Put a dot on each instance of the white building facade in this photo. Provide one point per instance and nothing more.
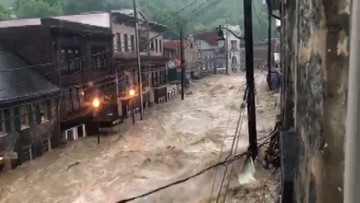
(234, 53)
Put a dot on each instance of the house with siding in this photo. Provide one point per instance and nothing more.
(76, 57)
(213, 58)
(29, 125)
(191, 51)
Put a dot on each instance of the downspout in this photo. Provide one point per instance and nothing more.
(352, 141)
(55, 56)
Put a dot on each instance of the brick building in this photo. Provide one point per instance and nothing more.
(75, 56)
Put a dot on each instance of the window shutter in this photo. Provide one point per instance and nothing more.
(30, 115)
(48, 109)
(38, 113)
(17, 118)
(7, 120)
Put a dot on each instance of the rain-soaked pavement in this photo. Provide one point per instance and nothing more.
(175, 140)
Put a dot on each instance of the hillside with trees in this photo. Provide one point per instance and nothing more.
(161, 11)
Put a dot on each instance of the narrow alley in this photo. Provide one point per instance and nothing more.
(175, 140)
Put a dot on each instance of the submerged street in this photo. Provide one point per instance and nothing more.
(175, 140)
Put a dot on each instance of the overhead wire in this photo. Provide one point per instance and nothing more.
(223, 142)
(183, 180)
(109, 50)
(90, 34)
(225, 162)
(51, 63)
(237, 133)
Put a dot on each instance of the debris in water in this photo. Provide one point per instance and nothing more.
(73, 164)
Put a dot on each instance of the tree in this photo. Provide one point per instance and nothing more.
(5, 13)
(37, 8)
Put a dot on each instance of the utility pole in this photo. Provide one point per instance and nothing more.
(352, 150)
(227, 47)
(269, 44)
(117, 89)
(182, 62)
(138, 60)
(250, 78)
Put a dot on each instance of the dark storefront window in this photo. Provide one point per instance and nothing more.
(99, 59)
(70, 60)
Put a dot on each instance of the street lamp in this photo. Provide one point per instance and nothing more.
(132, 92)
(220, 37)
(96, 105)
(132, 95)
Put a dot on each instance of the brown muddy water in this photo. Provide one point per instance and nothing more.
(175, 140)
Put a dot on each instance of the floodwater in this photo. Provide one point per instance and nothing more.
(175, 140)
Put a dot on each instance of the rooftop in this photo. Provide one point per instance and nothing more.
(209, 37)
(21, 84)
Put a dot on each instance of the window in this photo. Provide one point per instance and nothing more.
(160, 45)
(152, 45)
(24, 118)
(126, 45)
(81, 97)
(143, 44)
(70, 59)
(43, 107)
(233, 44)
(99, 58)
(156, 45)
(233, 60)
(118, 42)
(74, 97)
(132, 43)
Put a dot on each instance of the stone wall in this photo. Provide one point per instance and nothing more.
(315, 64)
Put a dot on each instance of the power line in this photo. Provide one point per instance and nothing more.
(257, 15)
(223, 141)
(225, 162)
(237, 133)
(111, 49)
(86, 35)
(239, 156)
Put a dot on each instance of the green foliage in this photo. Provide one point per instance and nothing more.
(4, 13)
(162, 11)
(37, 8)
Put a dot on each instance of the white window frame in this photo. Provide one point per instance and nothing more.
(24, 117)
(43, 112)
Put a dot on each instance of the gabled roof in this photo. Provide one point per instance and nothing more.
(209, 37)
(205, 45)
(101, 19)
(19, 81)
(171, 44)
(130, 13)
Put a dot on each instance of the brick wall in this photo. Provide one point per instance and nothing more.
(314, 43)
